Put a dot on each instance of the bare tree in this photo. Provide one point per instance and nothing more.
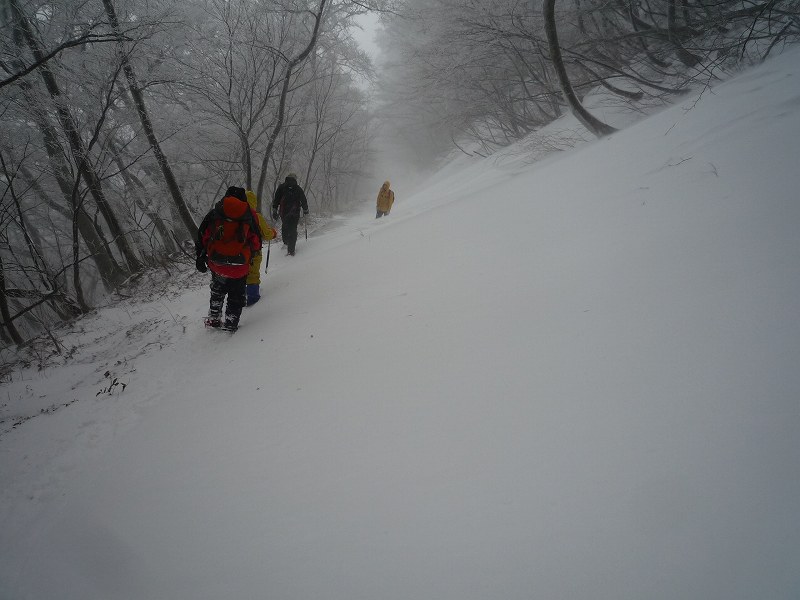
(74, 138)
(475, 74)
(85, 33)
(147, 125)
(8, 321)
(291, 65)
(591, 123)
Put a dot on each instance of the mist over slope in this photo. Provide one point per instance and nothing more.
(569, 379)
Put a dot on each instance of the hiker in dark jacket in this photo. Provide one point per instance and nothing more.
(226, 241)
(287, 203)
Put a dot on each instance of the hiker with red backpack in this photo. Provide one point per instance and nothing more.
(289, 199)
(226, 241)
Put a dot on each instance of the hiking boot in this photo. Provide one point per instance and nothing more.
(212, 322)
(230, 324)
(253, 294)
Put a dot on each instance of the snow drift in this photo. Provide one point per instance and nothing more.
(570, 379)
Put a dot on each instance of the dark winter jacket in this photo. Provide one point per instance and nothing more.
(289, 199)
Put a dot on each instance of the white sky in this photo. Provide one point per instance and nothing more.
(366, 36)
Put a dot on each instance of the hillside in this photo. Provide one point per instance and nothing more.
(576, 378)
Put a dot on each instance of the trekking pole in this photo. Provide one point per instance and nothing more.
(266, 266)
(305, 224)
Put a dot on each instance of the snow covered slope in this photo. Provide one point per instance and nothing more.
(573, 379)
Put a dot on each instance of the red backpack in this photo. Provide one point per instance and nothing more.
(230, 229)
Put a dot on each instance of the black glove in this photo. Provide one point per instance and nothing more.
(200, 263)
(274, 214)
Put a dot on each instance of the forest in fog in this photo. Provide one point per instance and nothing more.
(124, 120)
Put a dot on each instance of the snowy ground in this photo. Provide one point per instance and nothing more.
(570, 379)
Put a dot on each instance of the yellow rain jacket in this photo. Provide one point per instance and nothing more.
(267, 233)
(385, 198)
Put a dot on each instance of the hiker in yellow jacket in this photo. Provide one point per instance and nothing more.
(267, 233)
(385, 200)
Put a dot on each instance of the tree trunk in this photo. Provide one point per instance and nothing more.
(28, 234)
(76, 263)
(147, 125)
(76, 144)
(62, 305)
(686, 57)
(247, 162)
(591, 123)
(110, 272)
(137, 188)
(284, 93)
(5, 313)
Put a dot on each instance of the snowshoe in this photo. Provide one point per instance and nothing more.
(231, 324)
(213, 322)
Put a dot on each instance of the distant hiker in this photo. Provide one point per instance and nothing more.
(267, 233)
(385, 200)
(226, 241)
(289, 199)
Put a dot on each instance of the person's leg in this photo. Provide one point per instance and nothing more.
(254, 280)
(290, 235)
(286, 232)
(253, 293)
(236, 300)
(254, 276)
(218, 286)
